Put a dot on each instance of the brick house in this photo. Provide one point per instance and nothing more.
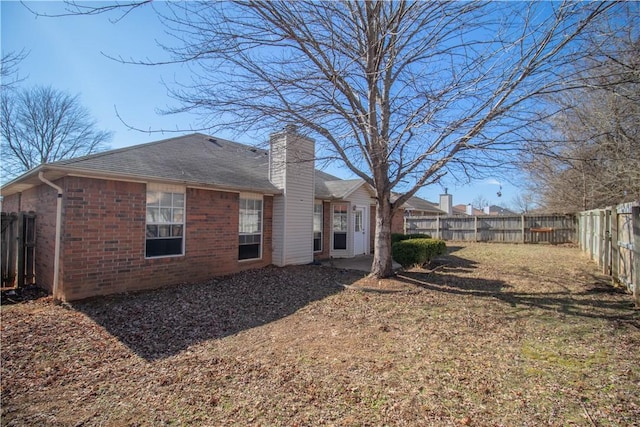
(185, 209)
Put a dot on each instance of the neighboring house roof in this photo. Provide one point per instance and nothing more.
(498, 210)
(462, 210)
(422, 205)
(416, 203)
(489, 210)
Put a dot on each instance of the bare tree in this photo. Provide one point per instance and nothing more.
(42, 125)
(9, 69)
(593, 160)
(73, 8)
(480, 202)
(402, 93)
(524, 202)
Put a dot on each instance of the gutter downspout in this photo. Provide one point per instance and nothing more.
(56, 255)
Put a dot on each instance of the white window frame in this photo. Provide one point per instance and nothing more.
(318, 216)
(174, 209)
(250, 197)
(344, 225)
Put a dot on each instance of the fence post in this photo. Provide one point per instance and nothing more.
(635, 254)
(579, 230)
(606, 264)
(522, 227)
(475, 227)
(9, 249)
(592, 238)
(585, 233)
(615, 249)
(20, 239)
(601, 238)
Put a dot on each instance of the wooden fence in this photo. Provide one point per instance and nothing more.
(611, 237)
(18, 249)
(491, 228)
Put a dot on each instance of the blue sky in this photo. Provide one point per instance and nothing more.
(67, 54)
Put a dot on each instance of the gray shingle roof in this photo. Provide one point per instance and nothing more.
(192, 159)
(419, 204)
(331, 187)
(202, 159)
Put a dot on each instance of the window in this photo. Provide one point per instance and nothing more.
(340, 220)
(250, 243)
(357, 222)
(165, 223)
(317, 226)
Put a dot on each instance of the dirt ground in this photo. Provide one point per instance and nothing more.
(489, 335)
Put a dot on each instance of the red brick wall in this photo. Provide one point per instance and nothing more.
(103, 241)
(397, 221)
(11, 203)
(326, 233)
(103, 238)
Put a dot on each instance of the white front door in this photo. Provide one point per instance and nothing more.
(359, 232)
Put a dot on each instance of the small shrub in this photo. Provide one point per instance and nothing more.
(414, 251)
(398, 237)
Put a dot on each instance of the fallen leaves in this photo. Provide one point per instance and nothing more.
(498, 335)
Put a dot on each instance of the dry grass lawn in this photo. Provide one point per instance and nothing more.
(492, 335)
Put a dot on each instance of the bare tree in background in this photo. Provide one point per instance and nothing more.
(402, 93)
(523, 203)
(9, 69)
(480, 202)
(42, 125)
(594, 161)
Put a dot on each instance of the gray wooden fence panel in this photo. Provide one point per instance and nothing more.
(427, 225)
(491, 228)
(609, 236)
(555, 229)
(18, 249)
(459, 228)
(9, 249)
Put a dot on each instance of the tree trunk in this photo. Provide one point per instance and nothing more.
(382, 262)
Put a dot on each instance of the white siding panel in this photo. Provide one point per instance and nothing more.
(278, 231)
(277, 172)
(361, 197)
(292, 170)
(299, 213)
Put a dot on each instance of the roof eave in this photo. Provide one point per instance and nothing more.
(23, 182)
(30, 179)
